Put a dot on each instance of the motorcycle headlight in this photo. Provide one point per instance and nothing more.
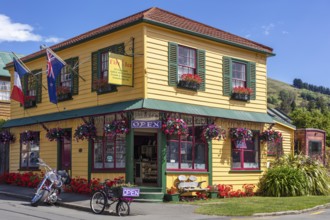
(52, 177)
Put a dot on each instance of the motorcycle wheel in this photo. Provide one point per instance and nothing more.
(122, 208)
(37, 198)
(98, 202)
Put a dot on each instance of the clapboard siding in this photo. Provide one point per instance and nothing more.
(157, 68)
(86, 98)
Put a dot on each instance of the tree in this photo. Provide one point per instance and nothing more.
(287, 98)
(298, 83)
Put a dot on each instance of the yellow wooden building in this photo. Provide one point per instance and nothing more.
(161, 50)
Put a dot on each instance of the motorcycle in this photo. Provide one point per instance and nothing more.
(49, 188)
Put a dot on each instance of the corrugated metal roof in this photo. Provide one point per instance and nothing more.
(280, 117)
(143, 104)
(6, 57)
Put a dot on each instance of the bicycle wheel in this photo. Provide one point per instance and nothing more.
(98, 202)
(122, 208)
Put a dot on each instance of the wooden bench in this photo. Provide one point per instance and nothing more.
(190, 185)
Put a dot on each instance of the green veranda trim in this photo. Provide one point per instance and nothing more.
(151, 104)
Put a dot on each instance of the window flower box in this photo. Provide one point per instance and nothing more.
(241, 93)
(30, 101)
(63, 93)
(102, 86)
(190, 81)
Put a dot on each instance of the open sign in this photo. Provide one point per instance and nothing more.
(131, 192)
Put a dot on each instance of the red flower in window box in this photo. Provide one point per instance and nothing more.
(242, 90)
(190, 77)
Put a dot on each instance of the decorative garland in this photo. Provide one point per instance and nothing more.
(271, 135)
(213, 131)
(55, 134)
(85, 131)
(6, 137)
(175, 126)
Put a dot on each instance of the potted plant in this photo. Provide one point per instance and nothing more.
(85, 131)
(63, 93)
(241, 93)
(213, 191)
(29, 136)
(55, 134)
(172, 194)
(174, 126)
(102, 86)
(190, 81)
(6, 137)
(239, 135)
(271, 135)
(213, 131)
(117, 127)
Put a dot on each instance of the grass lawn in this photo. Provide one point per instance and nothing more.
(248, 206)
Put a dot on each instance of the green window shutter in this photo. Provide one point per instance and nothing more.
(201, 68)
(172, 64)
(117, 48)
(95, 69)
(38, 85)
(75, 75)
(226, 76)
(251, 79)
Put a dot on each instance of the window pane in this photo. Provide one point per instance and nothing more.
(109, 153)
(172, 158)
(98, 154)
(120, 151)
(239, 74)
(236, 159)
(200, 162)
(186, 155)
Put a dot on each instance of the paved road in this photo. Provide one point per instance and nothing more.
(19, 209)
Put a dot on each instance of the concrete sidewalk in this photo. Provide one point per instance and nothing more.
(82, 202)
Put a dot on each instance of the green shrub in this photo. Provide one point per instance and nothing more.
(288, 170)
(283, 181)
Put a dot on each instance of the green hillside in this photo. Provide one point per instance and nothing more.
(274, 87)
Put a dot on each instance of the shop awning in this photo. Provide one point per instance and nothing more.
(143, 104)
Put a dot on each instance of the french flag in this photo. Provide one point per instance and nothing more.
(17, 92)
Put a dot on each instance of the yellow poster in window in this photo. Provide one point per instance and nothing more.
(120, 70)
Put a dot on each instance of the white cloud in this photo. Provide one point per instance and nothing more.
(10, 31)
(267, 28)
(285, 32)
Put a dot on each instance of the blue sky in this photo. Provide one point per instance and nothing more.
(297, 30)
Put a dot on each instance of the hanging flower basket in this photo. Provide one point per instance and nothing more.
(56, 134)
(212, 131)
(240, 134)
(175, 126)
(6, 137)
(117, 127)
(85, 131)
(29, 136)
(271, 136)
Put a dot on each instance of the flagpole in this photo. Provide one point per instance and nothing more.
(62, 61)
(27, 69)
(19, 60)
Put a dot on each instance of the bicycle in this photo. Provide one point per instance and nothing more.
(107, 196)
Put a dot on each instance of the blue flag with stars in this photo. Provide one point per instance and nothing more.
(54, 66)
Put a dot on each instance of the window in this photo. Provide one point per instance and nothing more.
(315, 149)
(30, 153)
(238, 73)
(32, 88)
(274, 148)
(4, 90)
(67, 83)
(246, 156)
(100, 65)
(185, 60)
(109, 152)
(189, 152)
